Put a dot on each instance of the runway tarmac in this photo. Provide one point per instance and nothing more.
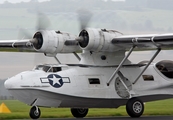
(112, 118)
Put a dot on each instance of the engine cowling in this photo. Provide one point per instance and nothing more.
(52, 42)
(98, 40)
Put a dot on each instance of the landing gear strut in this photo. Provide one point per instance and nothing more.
(135, 107)
(35, 112)
(79, 112)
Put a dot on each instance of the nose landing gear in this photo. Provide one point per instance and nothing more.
(35, 112)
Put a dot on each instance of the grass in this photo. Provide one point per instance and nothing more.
(20, 110)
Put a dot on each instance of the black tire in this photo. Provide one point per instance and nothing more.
(135, 107)
(34, 114)
(79, 112)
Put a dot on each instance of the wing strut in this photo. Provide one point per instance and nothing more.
(154, 56)
(77, 56)
(120, 65)
(57, 59)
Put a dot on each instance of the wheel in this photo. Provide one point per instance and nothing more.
(135, 107)
(35, 112)
(79, 112)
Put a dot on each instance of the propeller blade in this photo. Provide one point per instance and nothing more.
(84, 17)
(43, 22)
(24, 34)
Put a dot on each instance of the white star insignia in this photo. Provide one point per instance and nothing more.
(55, 80)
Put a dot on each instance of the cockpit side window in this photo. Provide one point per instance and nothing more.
(55, 69)
(166, 68)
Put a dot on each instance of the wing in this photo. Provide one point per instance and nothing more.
(145, 41)
(16, 43)
(52, 42)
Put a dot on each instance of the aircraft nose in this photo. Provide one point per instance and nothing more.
(7, 84)
(10, 83)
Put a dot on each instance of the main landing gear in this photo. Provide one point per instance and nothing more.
(134, 107)
(79, 112)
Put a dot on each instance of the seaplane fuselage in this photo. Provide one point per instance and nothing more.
(86, 87)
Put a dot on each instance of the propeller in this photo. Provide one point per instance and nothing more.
(24, 34)
(83, 38)
(42, 24)
(84, 17)
(37, 40)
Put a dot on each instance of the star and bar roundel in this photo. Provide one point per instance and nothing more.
(55, 80)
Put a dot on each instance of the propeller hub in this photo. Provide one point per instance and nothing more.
(83, 38)
(37, 40)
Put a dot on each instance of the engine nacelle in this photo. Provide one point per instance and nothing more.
(98, 40)
(52, 42)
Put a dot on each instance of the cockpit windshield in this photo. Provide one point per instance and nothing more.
(39, 67)
(48, 68)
